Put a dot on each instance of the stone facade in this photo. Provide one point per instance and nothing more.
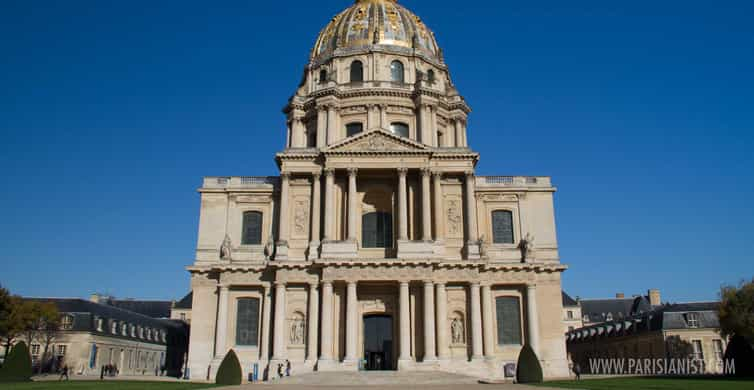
(377, 213)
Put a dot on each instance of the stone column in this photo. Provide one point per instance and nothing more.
(471, 218)
(222, 322)
(433, 127)
(284, 212)
(352, 203)
(329, 204)
(476, 322)
(326, 349)
(405, 323)
(442, 322)
(489, 343)
(316, 203)
(280, 347)
(264, 350)
(321, 126)
(351, 322)
(370, 116)
(426, 206)
(532, 317)
(299, 135)
(402, 205)
(332, 125)
(426, 124)
(464, 138)
(383, 117)
(288, 130)
(439, 220)
(429, 321)
(312, 322)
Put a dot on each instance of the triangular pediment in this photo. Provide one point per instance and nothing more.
(377, 141)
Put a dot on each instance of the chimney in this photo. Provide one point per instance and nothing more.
(620, 295)
(654, 297)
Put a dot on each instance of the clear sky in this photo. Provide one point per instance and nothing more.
(112, 111)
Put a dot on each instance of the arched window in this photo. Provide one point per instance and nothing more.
(357, 71)
(399, 128)
(508, 320)
(502, 227)
(377, 230)
(396, 71)
(247, 322)
(252, 228)
(431, 76)
(323, 76)
(354, 128)
(124, 329)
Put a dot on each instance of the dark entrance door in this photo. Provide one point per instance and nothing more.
(378, 342)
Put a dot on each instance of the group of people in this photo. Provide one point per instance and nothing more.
(284, 369)
(108, 370)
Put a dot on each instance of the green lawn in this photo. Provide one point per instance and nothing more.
(109, 385)
(654, 384)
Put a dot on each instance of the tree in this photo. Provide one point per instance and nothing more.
(17, 367)
(528, 369)
(14, 322)
(48, 326)
(736, 311)
(229, 372)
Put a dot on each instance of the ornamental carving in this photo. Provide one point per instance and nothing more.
(301, 216)
(296, 335)
(252, 199)
(455, 220)
(377, 142)
(456, 330)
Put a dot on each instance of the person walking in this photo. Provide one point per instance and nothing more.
(577, 371)
(280, 370)
(64, 373)
(287, 368)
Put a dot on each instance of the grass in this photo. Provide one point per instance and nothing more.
(108, 385)
(654, 384)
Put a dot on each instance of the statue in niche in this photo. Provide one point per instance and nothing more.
(297, 331)
(483, 247)
(456, 330)
(225, 248)
(454, 217)
(526, 246)
(269, 247)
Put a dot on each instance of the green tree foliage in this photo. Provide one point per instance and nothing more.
(229, 372)
(17, 366)
(736, 311)
(528, 370)
(14, 320)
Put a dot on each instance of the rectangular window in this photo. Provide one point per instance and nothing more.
(252, 228)
(61, 350)
(692, 320)
(718, 344)
(247, 322)
(697, 352)
(508, 321)
(34, 349)
(502, 227)
(569, 314)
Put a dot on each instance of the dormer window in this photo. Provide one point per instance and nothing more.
(66, 323)
(100, 323)
(609, 317)
(692, 320)
(114, 327)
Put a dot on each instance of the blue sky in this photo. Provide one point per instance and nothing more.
(111, 112)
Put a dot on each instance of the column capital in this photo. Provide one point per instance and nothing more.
(322, 107)
(316, 175)
(353, 171)
(437, 174)
(475, 284)
(402, 171)
(326, 283)
(285, 175)
(383, 106)
(329, 171)
(532, 286)
(426, 172)
(469, 173)
(403, 283)
(440, 284)
(223, 287)
(428, 282)
(279, 284)
(313, 285)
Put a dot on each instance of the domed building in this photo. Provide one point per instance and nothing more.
(377, 247)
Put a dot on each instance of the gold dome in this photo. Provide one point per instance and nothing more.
(380, 24)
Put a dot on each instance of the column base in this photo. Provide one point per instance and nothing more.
(406, 364)
(415, 249)
(313, 250)
(281, 250)
(339, 250)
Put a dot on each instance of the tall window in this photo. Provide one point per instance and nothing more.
(696, 350)
(396, 71)
(569, 314)
(247, 322)
(354, 128)
(400, 129)
(323, 76)
(502, 227)
(431, 76)
(252, 228)
(508, 320)
(357, 71)
(718, 345)
(377, 230)
(66, 323)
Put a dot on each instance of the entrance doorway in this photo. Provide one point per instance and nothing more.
(378, 342)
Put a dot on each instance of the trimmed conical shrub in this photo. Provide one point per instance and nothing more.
(528, 370)
(17, 367)
(229, 372)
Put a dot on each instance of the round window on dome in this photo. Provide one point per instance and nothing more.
(399, 128)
